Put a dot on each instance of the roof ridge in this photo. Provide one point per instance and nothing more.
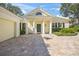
(41, 9)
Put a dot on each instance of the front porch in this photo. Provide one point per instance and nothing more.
(43, 27)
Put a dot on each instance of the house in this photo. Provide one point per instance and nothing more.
(37, 21)
(40, 21)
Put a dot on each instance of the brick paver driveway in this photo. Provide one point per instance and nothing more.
(41, 45)
(26, 45)
(63, 45)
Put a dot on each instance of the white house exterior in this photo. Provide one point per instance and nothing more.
(9, 25)
(40, 21)
(37, 21)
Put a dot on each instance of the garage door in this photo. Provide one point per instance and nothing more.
(6, 29)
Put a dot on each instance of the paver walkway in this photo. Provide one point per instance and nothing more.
(26, 45)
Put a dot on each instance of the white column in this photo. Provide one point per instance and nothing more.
(17, 29)
(50, 28)
(43, 30)
(26, 28)
(21, 26)
(34, 28)
(61, 25)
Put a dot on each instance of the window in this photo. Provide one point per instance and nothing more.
(53, 25)
(59, 25)
(63, 25)
(23, 26)
(38, 13)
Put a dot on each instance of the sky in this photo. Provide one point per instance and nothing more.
(52, 8)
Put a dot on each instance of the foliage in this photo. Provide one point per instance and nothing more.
(3, 5)
(14, 9)
(67, 30)
(64, 10)
(70, 10)
(22, 31)
(65, 34)
(76, 27)
(56, 29)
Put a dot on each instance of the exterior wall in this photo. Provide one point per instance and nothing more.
(66, 25)
(30, 27)
(47, 27)
(7, 29)
(8, 15)
(46, 20)
(9, 25)
(17, 29)
(46, 24)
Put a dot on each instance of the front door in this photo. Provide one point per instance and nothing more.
(38, 28)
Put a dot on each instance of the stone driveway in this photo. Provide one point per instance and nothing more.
(62, 45)
(41, 45)
(26, 45)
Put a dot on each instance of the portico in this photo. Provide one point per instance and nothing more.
(42, 26)
(39, 21)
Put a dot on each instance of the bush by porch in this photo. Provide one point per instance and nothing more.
(72, 31)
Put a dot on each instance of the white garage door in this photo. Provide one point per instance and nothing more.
(6, 29)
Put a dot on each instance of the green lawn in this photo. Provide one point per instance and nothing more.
(64, 34)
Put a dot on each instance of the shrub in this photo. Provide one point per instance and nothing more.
(71, 26)
(76, 27)
(22, 32)
(67, 30)
(56, 29)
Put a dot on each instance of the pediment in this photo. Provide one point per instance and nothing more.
(38, 12)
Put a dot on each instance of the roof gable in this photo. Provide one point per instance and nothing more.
(38, 12)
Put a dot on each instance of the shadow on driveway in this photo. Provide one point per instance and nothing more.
(25, 45)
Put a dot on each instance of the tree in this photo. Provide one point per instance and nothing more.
(4, 5)
(14, 9)
(70, 10)
(64, 10)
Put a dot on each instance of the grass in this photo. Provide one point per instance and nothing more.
(65, 34)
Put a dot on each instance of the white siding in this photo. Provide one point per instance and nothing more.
(66, 25)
